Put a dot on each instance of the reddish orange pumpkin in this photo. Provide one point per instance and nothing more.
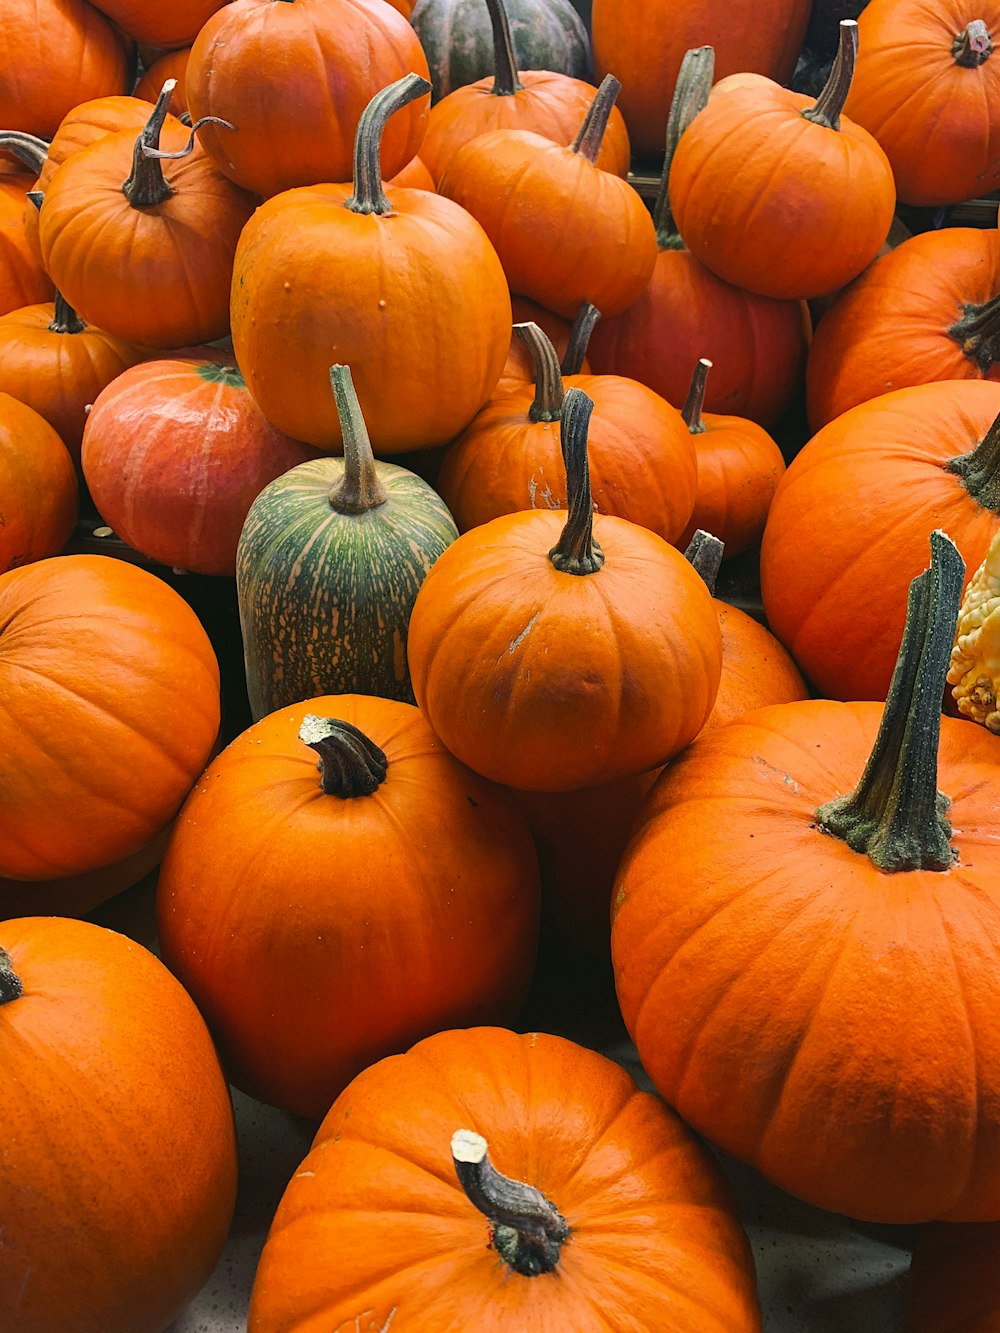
(247, 57)
(414, 176)
(393, 873)
(551, 652)
(954, 1286)
(119, 1166)
(173, 65)
(160, 25)
(543, 101)
(37, 485)
(111, 705)
(654, 1242)
(519, 370)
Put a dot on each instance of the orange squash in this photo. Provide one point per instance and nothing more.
(38, 486)
(172, 65)
(519, 369)
(23, 280)
(160, 25)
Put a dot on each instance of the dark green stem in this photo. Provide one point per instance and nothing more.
(11, 986)
(549, 395)
(694, 83)
(694, 404)
(579, 338)
(978, 333)
(576, 551)
(361, 489)
(591, 133)
(704, 554)
(505, 79)
(831, 100)
(979, 470)
(528, 1231)
(896, 815)
(973, 46)
(369, 194)
(26, 148)
(146, 186)
(350, 764)
(65, 318)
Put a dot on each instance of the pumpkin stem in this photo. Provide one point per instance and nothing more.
(694, 83)
(146, 186)
(979, 470)
(505, 79)
(576, 551)
(973, 46)
(579, 338)
(11, 985)
(65, 319)
(528, 1230)
(694, 404)
(25, 147)
(704, 554)
(590, 135)
(831, 100)
(360, 488)
(896, 815)
(978, 333)
(549, 395)
(349, 763)
(369, 193)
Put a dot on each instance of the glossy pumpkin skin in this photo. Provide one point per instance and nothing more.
(252, 51)
(58, 371)
(739, 467)
(23, 280)
(889, 330)
(419, 290)
(756, 669)
(414, 176)
(519, 370)
(840, 1027)
(643, 43)
(315, 901)
(119, 1165)
(807, 214)
(325, 597)
(56, 53)
(495, 647)
(849, 523)
(566, 231)
(655, 1242)
(173, 65)
(175, 453)
(953, 1285)
(642, 459)
(945, 146)
(166, 26)
(111, 703)
(38, 485)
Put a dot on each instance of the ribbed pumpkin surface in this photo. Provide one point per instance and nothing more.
(325, 597)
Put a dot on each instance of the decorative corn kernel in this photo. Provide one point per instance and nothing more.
(974, 674)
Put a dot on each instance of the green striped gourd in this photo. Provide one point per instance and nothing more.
(329, 563)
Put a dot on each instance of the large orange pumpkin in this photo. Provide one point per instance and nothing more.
(954, 1284)
(827, 921)
(551, 652)
(325, 919)
(38, 486)
(118, 1172)
(160, 25)
(110, 695)
(622, 1221)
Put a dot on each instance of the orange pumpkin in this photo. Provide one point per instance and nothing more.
(38, 485)
(247, 57)
(519, 370)
(566, 231)
(398, 278)
(550, 654)
(119, 1169)
(828, 923)
(953, 1285)
(546, 102)
(160, 25)
(178, 231)
(23, 280)
(173, 65)
(111, 705)
(619, 1201)
(392, 874)
(78, 895)
(414, 176)
(780, 194)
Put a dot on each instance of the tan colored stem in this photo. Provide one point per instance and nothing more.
(705, 554)
(360, 489)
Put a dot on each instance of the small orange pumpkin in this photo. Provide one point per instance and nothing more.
(172, 65)
(38, 486)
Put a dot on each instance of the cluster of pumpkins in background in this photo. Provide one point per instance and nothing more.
(268, 270)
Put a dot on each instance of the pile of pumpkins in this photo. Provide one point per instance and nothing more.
(394, 343)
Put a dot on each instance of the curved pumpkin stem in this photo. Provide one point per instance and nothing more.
(576, 551)
(146, 186)
(973, 46)
(705, 554)
(505, 79)
(528, 1230)
(590, 135)
(830, 102)
(11, 985)
(579, 338)
(694, 83)
(26, 148)
(896, 815)
(350, 764)
(694, 404)
(549, 395)
(369, 194)
(979, 470)
(361, 489)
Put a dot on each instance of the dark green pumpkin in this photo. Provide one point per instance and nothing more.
(457, 37)
(328, 567)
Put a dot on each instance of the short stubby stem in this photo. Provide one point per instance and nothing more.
(350, 764)
(704, 553)
(973, 46)
(979, 469)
